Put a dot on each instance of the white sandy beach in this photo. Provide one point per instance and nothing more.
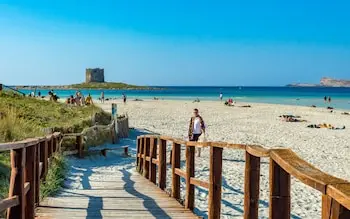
(329, 150)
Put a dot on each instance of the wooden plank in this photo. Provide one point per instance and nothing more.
(257, 151)
(189, 197)
(302, 170)
(279, 192)
(162, 164)
(215, 181)
(72, 134)
(30, 175)
(11, 146)
(176, 159)
(200, 183)
(137, 152)
(18, 157)
(146, 152)
(153, 156)
(8, 203)
(251, 186)
(197, 144)
(38, 170)
(180, 173)
(331, 209)
(341, 193)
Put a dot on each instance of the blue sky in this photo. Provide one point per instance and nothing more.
(174, 42)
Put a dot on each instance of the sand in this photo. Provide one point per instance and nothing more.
(329, 150)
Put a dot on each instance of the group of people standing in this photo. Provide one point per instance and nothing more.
(79, 99)
(327, 99)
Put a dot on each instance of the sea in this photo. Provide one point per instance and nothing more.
(302, 96)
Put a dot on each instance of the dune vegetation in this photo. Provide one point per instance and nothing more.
(24, 117)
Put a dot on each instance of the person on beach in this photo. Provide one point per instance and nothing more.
(197, 126)
(325, 99)
(124, 98)
(102, 97)
(221, 96)
(88, 100)
(329, 99)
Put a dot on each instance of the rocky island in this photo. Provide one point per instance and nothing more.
(94, 79)
(325, 82)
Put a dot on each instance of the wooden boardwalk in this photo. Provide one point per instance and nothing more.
(112, 194)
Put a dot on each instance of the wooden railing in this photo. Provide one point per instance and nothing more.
(79, 141)
(284, 163)
(29, 165)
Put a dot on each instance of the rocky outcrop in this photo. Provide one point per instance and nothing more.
(325, 82)
(330, 82)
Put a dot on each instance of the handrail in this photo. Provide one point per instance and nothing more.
(284, 163)
(29, 165)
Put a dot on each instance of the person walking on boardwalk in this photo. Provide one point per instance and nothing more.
(196, 128)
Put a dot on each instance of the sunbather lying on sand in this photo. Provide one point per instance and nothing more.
(293, 119)
(325, 125)
(285, 115)
(345, 113)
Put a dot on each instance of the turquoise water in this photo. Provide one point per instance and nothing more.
(304, 96)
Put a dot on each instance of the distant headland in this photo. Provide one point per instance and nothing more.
(94, 79)
(325, 82)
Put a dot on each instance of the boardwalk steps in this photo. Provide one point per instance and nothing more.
(113, 196)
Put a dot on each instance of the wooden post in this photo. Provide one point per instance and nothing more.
(126, 151)
(44, 157)
(54, 144)
(145, 154)
(279, 192)
(37, 173)
(80, 146)
(0, 87)
(176, 159)
(251, 186)
(141, 160)
(153, 167)
(215, 180)
(137, 153)
(331, 209)
(162, 164)
(18, 158)
(50, 147)
(189, 199)
(30, 178)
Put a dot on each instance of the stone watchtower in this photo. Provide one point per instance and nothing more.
(95, 75)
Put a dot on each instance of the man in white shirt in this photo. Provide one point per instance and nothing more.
(197, 126)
